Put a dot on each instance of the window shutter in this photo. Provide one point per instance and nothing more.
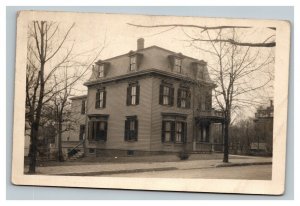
(95, 71)
(137, 94)
(104, 99)
(105, 131)
(188, 99)
(208, 101)
(172, 131)
(96, 131)
(80, 132)
(82, 106)
(136, 129)
(106, 68)
(97, 104)
(178, 98)
(126, 131)
(161, 90)
(90, 132)
(171, 102)
(163, 126)
(207, 133)
(184, 127)
(128, 99)
(171, 61)
(139, 58)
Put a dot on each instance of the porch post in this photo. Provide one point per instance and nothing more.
(195, 136)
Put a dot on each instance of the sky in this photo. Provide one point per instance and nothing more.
(112, 35)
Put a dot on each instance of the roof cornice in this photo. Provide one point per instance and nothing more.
(148, 72)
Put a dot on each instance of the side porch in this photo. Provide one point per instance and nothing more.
(208, 132)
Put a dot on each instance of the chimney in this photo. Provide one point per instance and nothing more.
(140, 43)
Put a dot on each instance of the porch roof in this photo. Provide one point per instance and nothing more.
(211, 116)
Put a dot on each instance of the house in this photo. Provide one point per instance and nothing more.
(264, 129)
(151, 100)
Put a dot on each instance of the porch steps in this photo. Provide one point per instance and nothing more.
(76, 156)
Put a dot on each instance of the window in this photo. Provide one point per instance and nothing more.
(133, 93)
(100, 99)
(203, 133)
(202, 102)
(168, 131)
(174, 131)
(208, 101)
(131, 128)
(177, 65)
(166, 95)
(205, 101)
(179, 132)
(130, 152)
(101, 71)
(183, 98)
(81, 132)
(98, 130)
(132, 63)
(83, 107)
(201, 74)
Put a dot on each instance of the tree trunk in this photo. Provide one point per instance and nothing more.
(60, 155)
(33, 148)
(226, 141)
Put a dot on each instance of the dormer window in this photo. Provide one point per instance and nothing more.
(177, 65)
(201, 74)
(199, 69)
(132, 63)
(175, 61)
(101, 71)
(135, 60)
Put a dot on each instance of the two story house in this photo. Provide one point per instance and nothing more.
(150, 100)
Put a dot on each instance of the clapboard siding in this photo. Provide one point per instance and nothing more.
(77, 120)
(156, 123)
(117, 110)
(149, 111)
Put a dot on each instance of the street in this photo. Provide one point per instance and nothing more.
(253, 172)
(240, 167)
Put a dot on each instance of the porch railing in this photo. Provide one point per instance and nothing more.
(74, 150)
(211, 113)
(208, 147)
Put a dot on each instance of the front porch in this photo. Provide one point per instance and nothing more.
(209, 131)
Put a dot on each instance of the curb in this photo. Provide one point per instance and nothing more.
(118, 172)
(242, 164)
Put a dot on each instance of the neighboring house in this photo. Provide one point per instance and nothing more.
(74, 135)
(264, 129)
(149, 100)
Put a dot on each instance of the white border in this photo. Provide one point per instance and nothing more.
(275, 186)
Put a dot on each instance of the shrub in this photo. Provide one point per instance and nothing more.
(183, 155)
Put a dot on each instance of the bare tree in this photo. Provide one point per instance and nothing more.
(42, 48)
(49, 50)
(264, 43)
(236, 66)
(237, 72)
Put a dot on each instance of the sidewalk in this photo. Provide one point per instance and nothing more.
(109, 168)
